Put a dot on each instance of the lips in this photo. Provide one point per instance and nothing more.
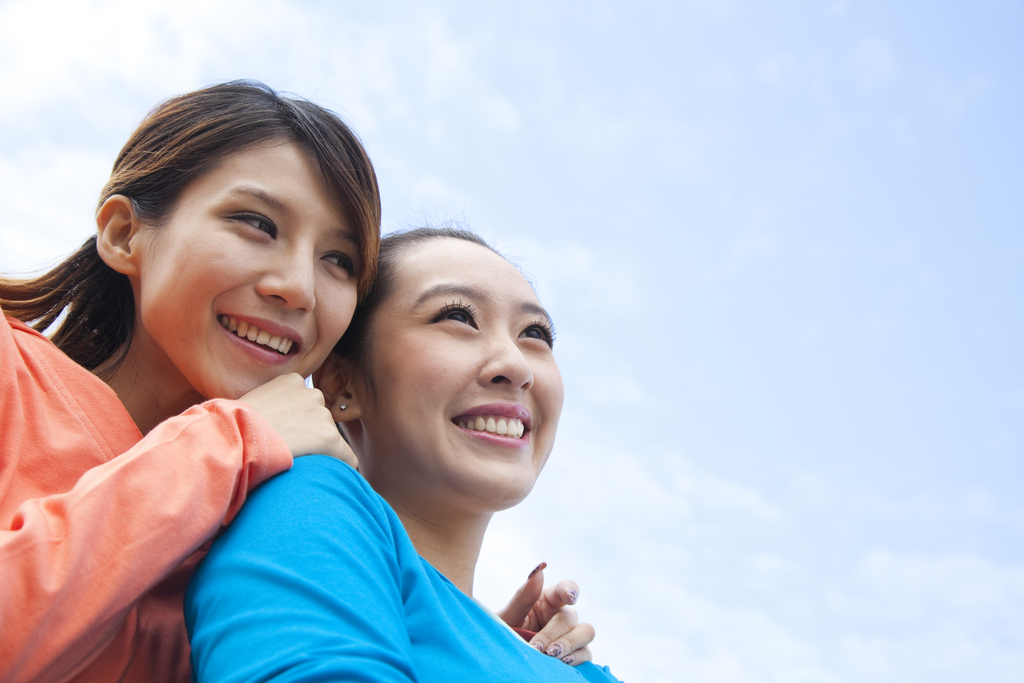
(255, 334)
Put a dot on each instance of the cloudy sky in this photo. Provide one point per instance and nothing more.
(784, 247)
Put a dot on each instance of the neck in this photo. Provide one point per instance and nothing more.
(450, 542)
(150, 392)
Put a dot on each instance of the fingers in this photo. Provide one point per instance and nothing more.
(563, 594)
(578, 657)
(564, 637)
(518, 608)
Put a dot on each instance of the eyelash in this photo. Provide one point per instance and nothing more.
(251, 217)
(546, 329)
(457, 306)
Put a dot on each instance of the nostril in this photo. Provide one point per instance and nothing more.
(499, 379)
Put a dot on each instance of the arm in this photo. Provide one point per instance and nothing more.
(305, 585)
(74, 564)
(91, 516)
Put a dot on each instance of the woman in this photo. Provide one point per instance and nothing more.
(139, 430)
(447, 388)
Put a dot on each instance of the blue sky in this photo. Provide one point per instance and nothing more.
(783, 244)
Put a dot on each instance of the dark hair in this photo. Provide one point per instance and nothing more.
(180, 140)
(355, 343)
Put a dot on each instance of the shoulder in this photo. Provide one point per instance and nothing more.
(318, 509)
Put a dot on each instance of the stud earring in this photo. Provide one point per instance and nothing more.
(343, 406)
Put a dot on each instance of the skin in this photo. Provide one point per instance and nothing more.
(462, 332)
(257, 238)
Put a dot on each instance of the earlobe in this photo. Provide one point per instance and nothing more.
(336, 380)
(116, 227)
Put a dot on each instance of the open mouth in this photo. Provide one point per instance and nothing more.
(494, 424)
(254, 334)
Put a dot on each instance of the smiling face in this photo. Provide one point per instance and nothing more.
(253, 275)
(460, 361)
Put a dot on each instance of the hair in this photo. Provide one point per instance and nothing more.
(355, 343)
(179, 141)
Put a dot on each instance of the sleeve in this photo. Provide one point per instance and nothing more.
(306, 585)
(75, 564)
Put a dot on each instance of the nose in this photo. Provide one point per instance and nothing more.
(290, 280)
(506, 364)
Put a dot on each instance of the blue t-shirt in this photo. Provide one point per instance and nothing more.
(316, 580)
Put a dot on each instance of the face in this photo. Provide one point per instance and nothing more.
(254, 275)
(461, 361)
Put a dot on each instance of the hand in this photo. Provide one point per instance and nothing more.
(299, 415)
(547, 611)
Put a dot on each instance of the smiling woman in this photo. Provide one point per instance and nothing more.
(447, 387)
(133, 433)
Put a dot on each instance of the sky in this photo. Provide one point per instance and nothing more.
(783, 245)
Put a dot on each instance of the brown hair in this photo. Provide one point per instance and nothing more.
(179, 141)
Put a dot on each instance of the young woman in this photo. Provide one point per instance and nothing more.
(234, 237)
(447, 388)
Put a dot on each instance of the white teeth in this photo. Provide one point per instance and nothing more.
(254, 334)
(495, 425)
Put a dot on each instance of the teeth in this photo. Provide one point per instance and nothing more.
(494, 424)
(254, 334)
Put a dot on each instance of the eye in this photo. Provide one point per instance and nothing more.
(540, 330)
(261, 223)
(458, 312)
(342, 260)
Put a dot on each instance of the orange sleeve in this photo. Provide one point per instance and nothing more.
(73, 565)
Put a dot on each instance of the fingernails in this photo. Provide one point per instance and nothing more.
(568, 659)
(573, 595)
(554, 650)
(538, 647)
(539, 567)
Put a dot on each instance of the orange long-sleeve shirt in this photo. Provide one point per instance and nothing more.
(100, 528)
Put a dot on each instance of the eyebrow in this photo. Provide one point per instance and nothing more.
(262, 195)
(474, 293)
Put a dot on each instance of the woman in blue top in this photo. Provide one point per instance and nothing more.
(447, 389)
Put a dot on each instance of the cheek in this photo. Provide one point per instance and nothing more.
(336, 314)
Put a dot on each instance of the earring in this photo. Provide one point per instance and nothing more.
(343, 406)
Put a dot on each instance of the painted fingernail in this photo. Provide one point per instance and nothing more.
(573, 596)
(538, 647)
(554, 650)
(540, 567)
(568, 659)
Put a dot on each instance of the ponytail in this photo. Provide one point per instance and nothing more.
(96, 302)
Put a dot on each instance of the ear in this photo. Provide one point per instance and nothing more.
(116, 228)
(338, 381)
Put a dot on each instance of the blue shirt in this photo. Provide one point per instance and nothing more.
(316, 580)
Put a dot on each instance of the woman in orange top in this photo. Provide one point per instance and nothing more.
(234, 236)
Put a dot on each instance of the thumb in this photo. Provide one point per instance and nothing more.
(519, 607)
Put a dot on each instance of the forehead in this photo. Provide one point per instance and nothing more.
(456, 262)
